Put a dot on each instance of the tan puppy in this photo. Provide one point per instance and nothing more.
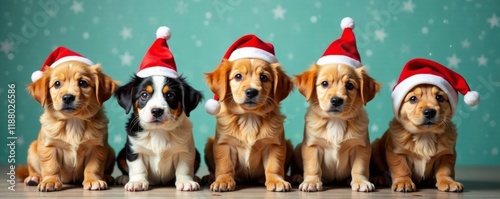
(421, 145)
(249, 143)
(336, 144)
(72, 145)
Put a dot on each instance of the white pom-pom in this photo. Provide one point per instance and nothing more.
(471, 98)
(36, 75)
(212, 107)
(347, 22)
(163, 32)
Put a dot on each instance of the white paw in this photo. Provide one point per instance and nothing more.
(187, 185)
(362, 186)
(122, 180)
(311, 186)
(140, 185)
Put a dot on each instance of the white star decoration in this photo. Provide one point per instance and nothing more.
(453, 61)
(279, 12)
(6, 46)
(408, 6)
(380, 35)
(465, 43)
(77, 7)
(126, 59)
(126, 33)
(482, 61)
(494, 21)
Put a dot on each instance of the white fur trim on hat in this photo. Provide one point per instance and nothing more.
(72, 58)
(406, 85)
(163, 32)
(157, 70)
(339, 59)
(251, 52)
(36, 75)
(347, 22)
(212, 106)
(471, 98)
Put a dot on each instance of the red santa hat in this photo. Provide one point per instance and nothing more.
(343, 50)
(159, 60)
(423, 71)
(60, 55)
(248, 46)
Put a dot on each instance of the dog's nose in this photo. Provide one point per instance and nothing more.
(251, 92)
(335, 101)
(157, 112)
(68, 98)
(429, 113)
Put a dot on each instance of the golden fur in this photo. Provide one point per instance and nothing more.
(72, 146)
(336, 144)
(413, 151)
(249, 143)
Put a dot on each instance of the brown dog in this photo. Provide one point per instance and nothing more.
(249, 144)
(336, 144)
(420, 146)
(72, 144)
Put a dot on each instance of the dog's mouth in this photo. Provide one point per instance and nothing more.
(68, 108)
(250, 103)
(335, 110)
(428, 123)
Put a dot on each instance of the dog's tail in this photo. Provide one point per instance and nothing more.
(22, 172)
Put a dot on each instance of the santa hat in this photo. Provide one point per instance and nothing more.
(159, 60)
(60, 55)
(343, 50)
(423, 71)
(248, 46)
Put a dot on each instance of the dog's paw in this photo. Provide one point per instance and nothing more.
(122, 180)
(362, 186)
(94, 185)
(450, 186)
(403, 185)
(187, 185)
(297, 179)
(32, 180)
(52, 184)
(222, 185)
(311, 185)
(278, 185)
(140, 185)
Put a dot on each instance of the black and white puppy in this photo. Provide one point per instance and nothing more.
(160, 145)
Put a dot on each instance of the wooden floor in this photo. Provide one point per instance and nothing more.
(478, 182)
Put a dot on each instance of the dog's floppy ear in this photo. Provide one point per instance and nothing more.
(306, 82)
(369, 87)
(105, 86)
(283, 85)
(218, 81)
(40, 88)
(125, 93)
(190, 97)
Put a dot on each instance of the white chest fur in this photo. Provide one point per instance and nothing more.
(334, 135)
(425, 148)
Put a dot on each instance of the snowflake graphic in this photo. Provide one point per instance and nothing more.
(380, 35)
(182, 7)
(408, 6)
(77, 7)
(453, 61)
(126, 33)
(494, 21)
(126, 59)
(279, 12)
(6, 46)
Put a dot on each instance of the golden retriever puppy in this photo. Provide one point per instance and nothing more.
(336, 144)
(249, 143)
(72, 145)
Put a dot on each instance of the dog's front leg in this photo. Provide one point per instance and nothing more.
(360, 170)
(138, 173)
(400, 172)
(275, 171)
(224, 168)
(184, 172)
(94, 170)
(312, 162)
(445, 174)
(50, 169)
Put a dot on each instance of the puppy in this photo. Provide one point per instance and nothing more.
(72, 145)
(160, 145)
(336, 144)
(420, 147)
(249, 143)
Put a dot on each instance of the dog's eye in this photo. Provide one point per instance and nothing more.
(144, 95)
(439, 98)
(264, 78)
(83, 84)
(238, 77)
(324, 84)
(349, 86)
(413, 99)
(170, 95)
(57, 84)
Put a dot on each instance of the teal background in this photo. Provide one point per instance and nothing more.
(462, 34)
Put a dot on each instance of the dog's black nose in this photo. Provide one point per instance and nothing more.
(68, 98)
(157, 112)
(335, 101)
(429, 113)
(251, 92)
